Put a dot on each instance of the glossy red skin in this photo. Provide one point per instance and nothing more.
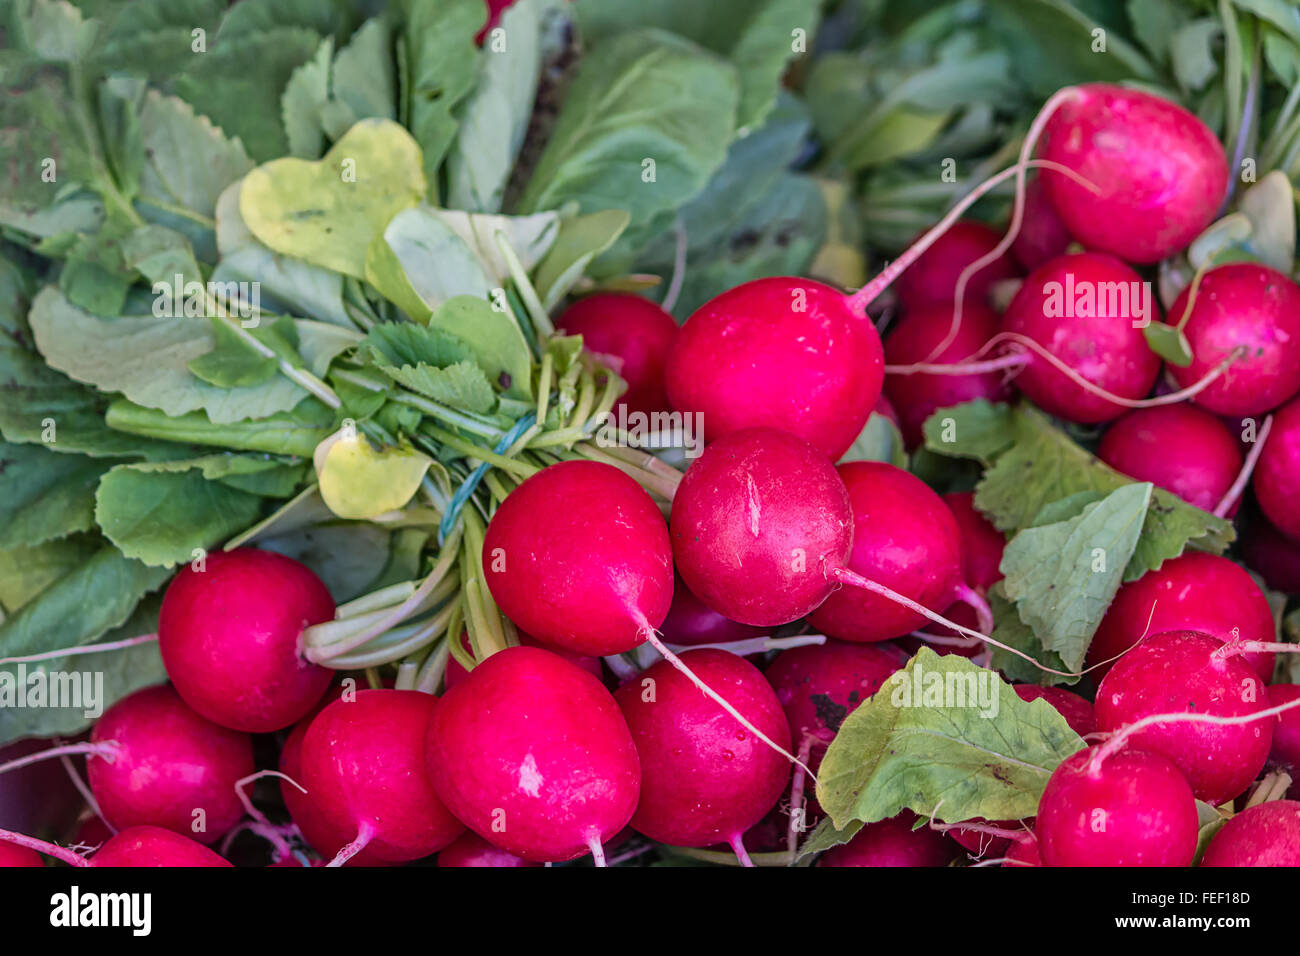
(12, 855)
(470, 849)
(748, 359)
(913, 338)
(1178, 672)
(1273, 555)
(362, 762)
(455, 673)
(1267, 834)
(1108, 352)
(1246, 304)
(1077, 711)
(172, 762)
(932, 279)
(1196, 591)
(892, 842)
(1161, 172)
(819, 685)
(578, 556)
(905, 538)
(745, 507)
(1136, 809)
(322, 835)
(690, 621)
(1176, 447)
(633, 330)
(981, 543)
(705, 778)
(1023, 852)
(534, 742)
(1276, 484)
(1286, 732)
(230, 638)
(154, 846)
(1043, 235)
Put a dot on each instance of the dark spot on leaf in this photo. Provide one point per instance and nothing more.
(504, 380)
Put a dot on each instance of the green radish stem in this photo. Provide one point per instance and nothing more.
(435, 665)
(532, 302)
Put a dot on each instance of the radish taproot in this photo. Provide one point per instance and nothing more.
(632, 331)
(1267, 834)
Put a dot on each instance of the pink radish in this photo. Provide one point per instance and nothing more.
(1132, 808)
(1188, 672)
(932, 279)
(705, 778)
(1198, 592)
(470, 849)
(691, 622)
(1023, 852)
(1271, 554)
(981, 543)
(171, 768)
(154, 846)
(455, 673)
(1076, 710)
(1264, 835)
(1043, 236)
(230, 638)
(1102, 342)
(914, 338)
(16, 856)
(1161, 172)
(1176, 447)
(533, 754)
(362, 764)
(1277, 487)
(635, 333)
(1286, 732)
(892, 842)
(781, 352)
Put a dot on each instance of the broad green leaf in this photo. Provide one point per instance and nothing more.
(825, 837)
(419, 260)
(156, 36)
(1010, 630)
(161, 255)
(1210, 821)
(359, 481)
(233, 363)
(305, 97)
(1270, 207)
(901, 132)
(947, 738)
(1192, 51)
(462, 385)
(328, 211)
(880, 440)
(251, 18)
(295, 432)
(26, 571)
(363, 77)
(977, 429)
(346, 556)
(531, 237)
(44, 495)
(441, 65)
(498, 345)
(580, 240)
(1170, 343)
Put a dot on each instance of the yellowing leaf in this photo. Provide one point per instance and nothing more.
(358, 481)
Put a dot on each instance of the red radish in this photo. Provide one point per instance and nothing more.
(1161, 172)
(1271, 554)
(1253, 311)
(1131, 808)
(154, 846)
(932, 279)
(1176, 447)
(905, 538)
(470, 849)
(1276, 484)
(1087, 310)
(1043, 236)
(705, 778)
(892, 842)
(1267, 834)
(12, 855)
(1198, 592)
(635, 333)
(230, 636)
(455, 673)
(362, 763)
(579, 557)
(885, 407)
(1023, 852)
(533, 754)
(981, 543)
(690, 621)
(914, 339)
(170, 763)
(1286, 732)
(1188, 672)
(1077, 711)
(780, 352)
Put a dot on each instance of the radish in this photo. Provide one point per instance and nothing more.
(635, 333)
(362, 763)
(1275, 482)
(914, 338)
(170, 767)
(1179, 672)
(1264, 835)
(1249, 311)
(780, 352)
(1130, 808)
(1272, 555)
(1043, 236)
(885, 407)
(455, 673)
(13, 855)
(1023, 852)
(690, 621)
(154, 846)
(932, 279)
(470, 849)
(904, 537)
(1160, 171)
(229, 631)
(981, 543)
(892, 842)
(1197, 591)
(1286, 732)
(705, 778)
(578, 556)
(1065, 308)
(1176, 447)
(533, 754)
(1076, 710)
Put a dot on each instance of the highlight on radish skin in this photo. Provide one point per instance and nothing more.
(154, 846)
